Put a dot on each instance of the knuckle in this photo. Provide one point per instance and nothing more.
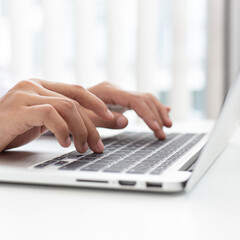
(76, 104)
(25, 84)
(105, 83)
(35, 80)
(138, 98)
(18, 95)
(148, 96)
(149, 115)
(67, 104)
(79, 91)
(47, 109)
(79, 88)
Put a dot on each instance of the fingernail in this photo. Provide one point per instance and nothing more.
(68, 142)
(170, 123)
(100, 146)
(156, 125)
(160, 135)
(85, 147)
(121, 122)
(110, 114)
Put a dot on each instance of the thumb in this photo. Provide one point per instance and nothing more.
(119, 121)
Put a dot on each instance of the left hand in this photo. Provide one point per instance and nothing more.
(154, 113)
(34, 106)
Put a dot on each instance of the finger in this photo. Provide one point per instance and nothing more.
(159, 133)
(82, 96)
(69, 112)
(163, 112)
(119, 121)
(143, 111)
(94, 140)
(46, 115)
(168, 108)
(134, 102)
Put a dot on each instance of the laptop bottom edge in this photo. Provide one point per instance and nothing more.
(133, 183)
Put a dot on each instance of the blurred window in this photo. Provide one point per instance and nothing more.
(90, 41)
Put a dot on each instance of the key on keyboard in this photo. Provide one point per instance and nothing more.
(129, 152)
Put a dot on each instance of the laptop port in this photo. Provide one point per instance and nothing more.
(127, 183)
(90, 181)
(154, 185)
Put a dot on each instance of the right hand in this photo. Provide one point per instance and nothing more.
(35, 106)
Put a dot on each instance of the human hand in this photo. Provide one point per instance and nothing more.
(154, 113)
(33, 106)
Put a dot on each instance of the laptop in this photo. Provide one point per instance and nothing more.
(134, 161)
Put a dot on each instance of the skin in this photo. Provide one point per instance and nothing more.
(35, 106)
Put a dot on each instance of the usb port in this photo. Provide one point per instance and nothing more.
(154, 185)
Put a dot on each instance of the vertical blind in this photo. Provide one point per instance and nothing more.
(170, 48)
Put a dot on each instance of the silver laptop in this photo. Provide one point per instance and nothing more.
(131, 160)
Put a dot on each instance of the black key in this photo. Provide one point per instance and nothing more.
(107, 141)
(108, 158)
(142, 167)
(74, 165)
(146, 163)
(158, 170)
(119, 164)
(86, 160)
(118, 167)
(50, 162)
(113, 170)
(60, 163)
(129, 161)
(144, 151)
(41, 165)
(58, 158)
(89, 158)
(138, 170)
(74, 154)
(93, 156)
(116, 155)
(94, 167)
(104, 161)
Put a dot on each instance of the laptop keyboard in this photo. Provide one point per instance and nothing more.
(129, 152)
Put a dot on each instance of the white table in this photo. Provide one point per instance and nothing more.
(210, 211)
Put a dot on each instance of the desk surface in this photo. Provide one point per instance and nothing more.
(211, 210)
